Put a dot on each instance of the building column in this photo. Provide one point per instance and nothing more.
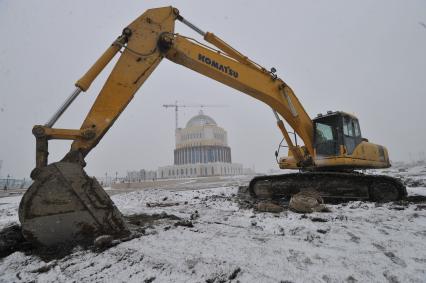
(188, 156)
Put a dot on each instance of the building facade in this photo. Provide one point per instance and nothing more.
(201, 150)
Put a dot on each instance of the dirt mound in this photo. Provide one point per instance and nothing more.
(11, 240)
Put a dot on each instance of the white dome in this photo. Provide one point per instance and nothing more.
(200, 120)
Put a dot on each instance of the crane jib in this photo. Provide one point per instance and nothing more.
(220, 67)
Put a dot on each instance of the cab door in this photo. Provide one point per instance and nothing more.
(326, 138)
(351, 134)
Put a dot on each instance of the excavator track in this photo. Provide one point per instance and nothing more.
(332, 186)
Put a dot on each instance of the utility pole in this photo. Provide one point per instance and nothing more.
(7, 183)
(176, 106)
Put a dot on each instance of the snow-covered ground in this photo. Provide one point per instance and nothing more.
(412, 176)
(355, 242)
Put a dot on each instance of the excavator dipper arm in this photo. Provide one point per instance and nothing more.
(139, 58)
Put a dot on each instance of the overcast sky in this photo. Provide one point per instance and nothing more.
(363, 57)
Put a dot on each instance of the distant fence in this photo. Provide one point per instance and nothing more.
(14, 183)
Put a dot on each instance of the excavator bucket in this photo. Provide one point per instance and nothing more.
(65, 205)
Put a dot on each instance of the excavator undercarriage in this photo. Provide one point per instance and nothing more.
(333, 186)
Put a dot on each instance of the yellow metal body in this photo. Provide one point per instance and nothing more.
(152, 38)
(365, 156)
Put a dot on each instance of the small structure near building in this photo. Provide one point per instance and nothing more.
(141, 175)
(201, 150)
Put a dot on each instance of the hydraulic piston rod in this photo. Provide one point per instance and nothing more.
(63, 107)
(84, 82)
(191, 25)
(294, 149)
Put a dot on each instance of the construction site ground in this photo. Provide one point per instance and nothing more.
(197, 231)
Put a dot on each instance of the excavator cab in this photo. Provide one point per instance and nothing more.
(333, 130)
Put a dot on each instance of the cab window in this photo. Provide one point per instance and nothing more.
(356, 128)
(351, 127)
(324, 133)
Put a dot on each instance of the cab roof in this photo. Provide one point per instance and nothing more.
(335, 113)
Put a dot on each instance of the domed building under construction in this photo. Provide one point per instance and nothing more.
(201, 150)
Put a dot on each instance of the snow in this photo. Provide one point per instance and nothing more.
(9, 210)
(420, 191)
(359, 241)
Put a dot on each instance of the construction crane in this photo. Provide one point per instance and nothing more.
(176, 106)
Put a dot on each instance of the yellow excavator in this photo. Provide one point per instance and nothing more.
(65, 205)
